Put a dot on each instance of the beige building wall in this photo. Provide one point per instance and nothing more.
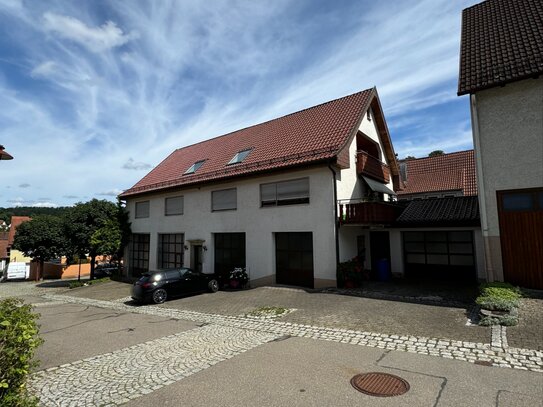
(18, 256)
(259, 224)
(508, 138)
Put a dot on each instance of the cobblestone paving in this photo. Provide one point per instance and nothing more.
(117, 377)
(524, 359)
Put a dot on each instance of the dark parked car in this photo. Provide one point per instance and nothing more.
(158, 286)
(105, 270)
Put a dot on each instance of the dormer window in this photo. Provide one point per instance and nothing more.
(240, 156)
(194, 167)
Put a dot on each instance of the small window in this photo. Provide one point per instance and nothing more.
(173, 206)
(518, 202)
(240, 156)
(285, 193)
(142, 209)
(194, 167)
(224, 200)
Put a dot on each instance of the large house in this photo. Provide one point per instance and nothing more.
(291, 198)
(265, 197)
(501, 63)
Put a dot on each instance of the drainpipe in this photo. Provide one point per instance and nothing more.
(336, 218)
(489, 266)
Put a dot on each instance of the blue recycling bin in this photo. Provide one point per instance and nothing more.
(383, 270)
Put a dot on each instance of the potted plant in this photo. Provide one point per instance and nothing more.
(238, 278)
(350, 273)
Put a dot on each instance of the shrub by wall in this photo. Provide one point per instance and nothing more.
(18, 341)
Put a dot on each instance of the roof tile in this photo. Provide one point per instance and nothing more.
(311, 135)
(502, 42)
(447, 172)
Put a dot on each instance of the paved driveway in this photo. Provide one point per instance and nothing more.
(101, 351)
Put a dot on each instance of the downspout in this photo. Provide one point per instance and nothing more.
(336, 216)
(489, 266)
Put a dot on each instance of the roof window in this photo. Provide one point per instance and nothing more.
(194, 167)
(240, 156)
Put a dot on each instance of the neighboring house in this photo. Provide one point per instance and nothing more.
(265, 197)
(437, 236)
(440, 176)
(16, 255)
(4, 257)
(501, 62)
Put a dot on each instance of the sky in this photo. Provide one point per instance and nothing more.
(94, 94)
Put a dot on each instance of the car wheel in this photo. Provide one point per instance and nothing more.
(159, 296)
(213, 286)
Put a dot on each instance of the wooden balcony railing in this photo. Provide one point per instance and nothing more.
(372, 167)
(351, 212)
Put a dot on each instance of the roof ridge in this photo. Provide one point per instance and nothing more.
(442, 155)
(274, 119)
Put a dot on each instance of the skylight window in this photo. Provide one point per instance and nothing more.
(240, 156)
(194, 167)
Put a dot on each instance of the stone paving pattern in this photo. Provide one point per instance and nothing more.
(529, 332)
(117, 377)
(524, 359)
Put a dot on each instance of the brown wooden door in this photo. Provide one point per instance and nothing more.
(521, 234)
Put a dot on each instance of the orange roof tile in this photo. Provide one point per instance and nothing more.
(312, 135)
(448, 172)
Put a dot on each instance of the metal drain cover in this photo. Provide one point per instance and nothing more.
(380, 384)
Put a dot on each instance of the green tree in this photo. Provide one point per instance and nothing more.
(42, 239)
(410, 157)
(97, 227)
(435, 153)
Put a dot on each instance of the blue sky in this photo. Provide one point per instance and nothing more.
(94, 94)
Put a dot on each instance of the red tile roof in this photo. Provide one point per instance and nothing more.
(15, 222)
(502, 42)
(312, 135)
(448, 172)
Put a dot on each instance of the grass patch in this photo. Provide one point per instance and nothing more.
(502, 297)
(76, 284)
(268, 312)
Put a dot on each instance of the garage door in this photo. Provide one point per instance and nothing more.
(521, 236)
(294, 258)
(440, 255)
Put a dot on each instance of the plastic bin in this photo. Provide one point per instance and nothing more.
(383, 270)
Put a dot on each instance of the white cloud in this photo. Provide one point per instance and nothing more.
(134, 165)
(201, 69)
(111, 192)
(97, 39)
(44, 69)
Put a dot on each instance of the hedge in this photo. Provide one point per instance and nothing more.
(18, 341)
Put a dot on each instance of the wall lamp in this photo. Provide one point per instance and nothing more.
(185, 247)
(205, 248)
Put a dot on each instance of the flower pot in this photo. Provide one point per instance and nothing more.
(234, 284)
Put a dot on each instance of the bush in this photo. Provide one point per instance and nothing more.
(18, 341)
(499, 296)
(239, 277)
(350, 273)
(76, 284)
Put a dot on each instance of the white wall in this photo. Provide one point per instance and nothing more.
(507, 125)
(349, 185)
(258, 224)
(510, 141)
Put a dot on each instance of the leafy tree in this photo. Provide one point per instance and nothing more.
(42, 239)
(435, 153)
(410, 157)
(97, 227)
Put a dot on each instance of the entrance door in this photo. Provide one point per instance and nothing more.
(294, 258)
(379, 249)
(521, 235)
(196, 263)
(229, 254)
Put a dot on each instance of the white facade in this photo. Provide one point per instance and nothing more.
(198, 223)
(508, 138)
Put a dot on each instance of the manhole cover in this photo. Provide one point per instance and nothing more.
(380, 384)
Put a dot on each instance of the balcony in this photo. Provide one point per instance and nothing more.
(372, 167)
(368, 213)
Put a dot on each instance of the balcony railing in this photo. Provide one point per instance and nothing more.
(365, 213)
(372, 167)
